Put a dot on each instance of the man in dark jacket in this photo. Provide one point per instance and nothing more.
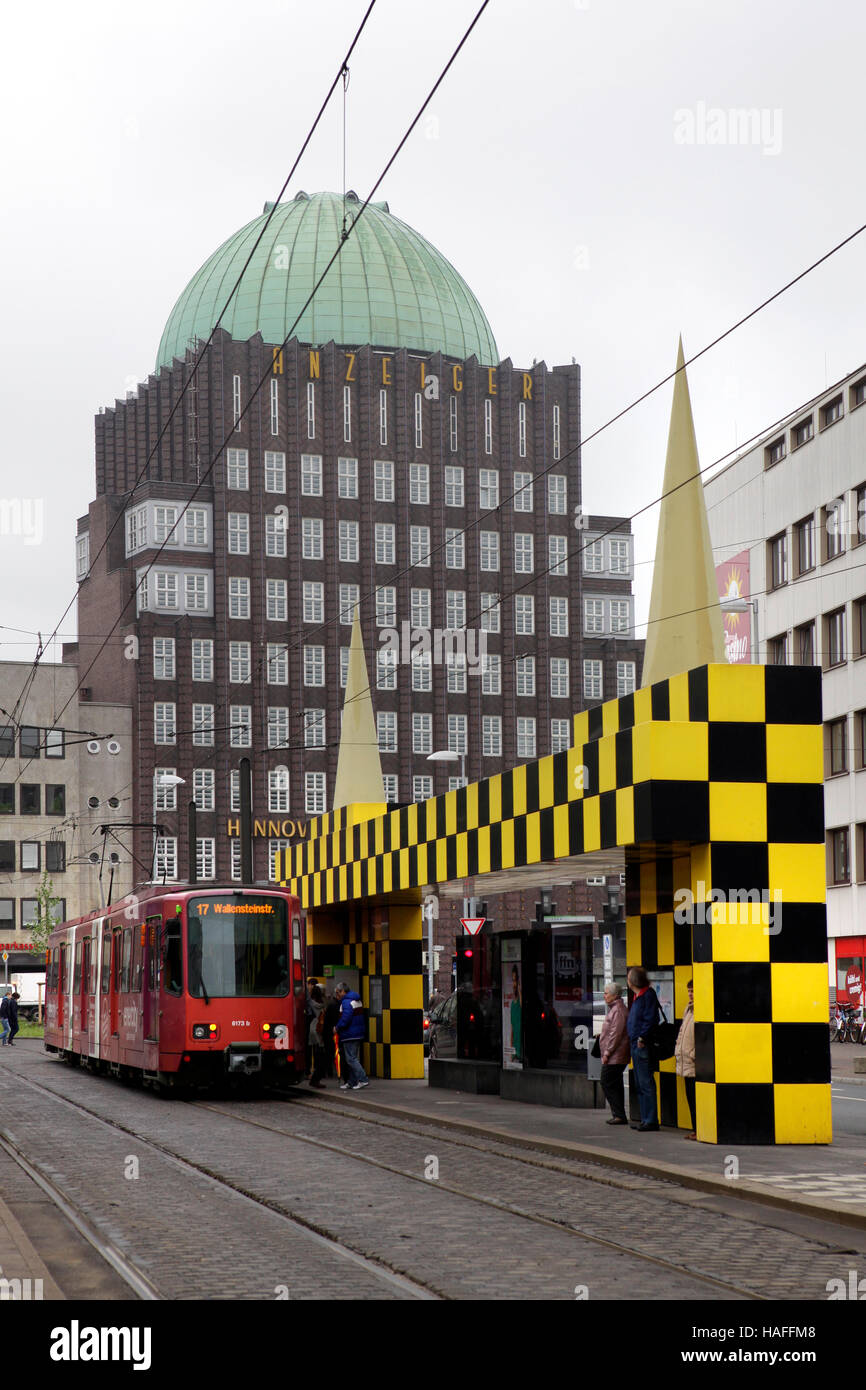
(350, 1032)
(5, 1021)
(642, 1015)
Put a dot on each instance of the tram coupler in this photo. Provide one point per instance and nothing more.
(245, 1058)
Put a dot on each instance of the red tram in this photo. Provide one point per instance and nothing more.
(181, 986)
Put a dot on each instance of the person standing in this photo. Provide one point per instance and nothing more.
(685, 1055)
(642, 1016)
(613, 1041)
(316, 1036)
(4, 1017)
(350, 1031)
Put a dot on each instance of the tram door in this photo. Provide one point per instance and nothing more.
(85, 983)
(62, 984)
(150, 976)
(116, 939)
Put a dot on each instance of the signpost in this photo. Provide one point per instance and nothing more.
(472, 925)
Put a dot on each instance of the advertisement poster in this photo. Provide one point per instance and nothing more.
(733, 581)
(512, 1006)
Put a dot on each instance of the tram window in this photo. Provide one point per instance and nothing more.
(94, 964)
(85, 965)
(127, 961)
(106, 961)
(117, 955)
(76, 978)
(172, 970)
(136, 960)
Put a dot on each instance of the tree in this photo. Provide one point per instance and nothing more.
(45, 921)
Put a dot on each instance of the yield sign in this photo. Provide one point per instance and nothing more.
(473, 924)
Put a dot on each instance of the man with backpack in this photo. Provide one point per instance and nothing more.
(350, 1033)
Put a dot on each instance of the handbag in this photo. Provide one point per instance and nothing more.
(661, 1039)
(596, 1048)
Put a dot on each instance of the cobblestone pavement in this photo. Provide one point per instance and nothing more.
(362, 1182)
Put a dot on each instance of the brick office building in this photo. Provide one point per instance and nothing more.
(389, 459)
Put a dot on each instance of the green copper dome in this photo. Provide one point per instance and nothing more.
(389, 287)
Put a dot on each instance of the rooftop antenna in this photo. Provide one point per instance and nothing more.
(345, 76)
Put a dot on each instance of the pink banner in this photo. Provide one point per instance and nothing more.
(733, 580)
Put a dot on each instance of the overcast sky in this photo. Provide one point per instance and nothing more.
(565, 168)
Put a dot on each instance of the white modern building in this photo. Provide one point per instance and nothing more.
(796, 502)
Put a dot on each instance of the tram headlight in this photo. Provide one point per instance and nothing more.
(202, 1031)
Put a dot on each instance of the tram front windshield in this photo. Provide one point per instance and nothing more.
(238, 947)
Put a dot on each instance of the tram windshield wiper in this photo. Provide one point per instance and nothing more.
(204, 991)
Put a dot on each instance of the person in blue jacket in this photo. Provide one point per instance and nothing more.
(350, 1032)
(644, 1012)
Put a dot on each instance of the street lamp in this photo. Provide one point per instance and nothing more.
(745, 605)
(447, 755)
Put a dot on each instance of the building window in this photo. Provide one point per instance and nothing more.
(620, 615)
(455, 553)
(491, 736)
(344, 666)
(276, 847)
(524, 672)
(136, 530)
(383, 417)
(241, 726)
(276, 600)
(524, 615)
(386, 669)
(239, 663)
(203, 779)
(557, 494)
(30, 741)
(315, 793)
(314, 665)
(391, 784)
(275, 469)
(593, 557)
(311, 475)
(238, 470)
(202, 659)
(422, 733)
(419, 483)
(488, 489)
(805, 533)
(488, 427)
(831, 412)
(348, 542)
(195, 526)
(521, 429)
(523, 492)
(557, 554)
(802, 433)
(489, 543)
(455, 663)
(858, 394)
(164, 523)
(834, 528)
(419, 420)
(491, 674)
(311, 538)
(453, 423)
(384, 543)
(349, 597)
(347, 478)
(419, 606)
(834, 640)
(7, 857)
(805, 644)
(277, 664)
(457, 732)
(54, 743)
(454, 487)
(347, 414)
(31, 799)
(455, 609)
(235, 850)
(278, 726)
(386, 731)
(165, 857)
(419, 545)
(278, 790)
(619, 556)
(490, 613)
(166, 590)
(560, 735)
(275, 406)
(526, 738)
(383, 480)
(55, 856)
(840, 863)
(314, 728)
(311, 410)
(837, 747)
(556, 433)
(275, 537)
(775, 452)
(164, 717)
(386, 606)
(779, 560)
(164, 797)
(202, 726)
(82, 555)
(163, 658)
(239, 533)
(205, 858)
(625, 677)
(560, 683)
(236, 401)
(592, 687)
(55, 799)
(593, 615)
(239, 598)
(524, 558)
(422, 788)
(777, 650)
(195, 593)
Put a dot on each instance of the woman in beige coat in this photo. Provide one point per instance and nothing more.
(685, 1055)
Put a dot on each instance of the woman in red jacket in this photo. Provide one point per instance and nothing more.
(615, 1053)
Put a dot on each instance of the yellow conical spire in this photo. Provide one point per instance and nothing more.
(685, 619)
(359, 769)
